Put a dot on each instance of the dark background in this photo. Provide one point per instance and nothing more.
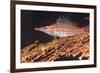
(31, 19)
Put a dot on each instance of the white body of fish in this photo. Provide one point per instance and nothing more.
(62, 28)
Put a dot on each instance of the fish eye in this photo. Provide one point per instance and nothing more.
(46, 27)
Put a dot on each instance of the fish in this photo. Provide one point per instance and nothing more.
(63, 27)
